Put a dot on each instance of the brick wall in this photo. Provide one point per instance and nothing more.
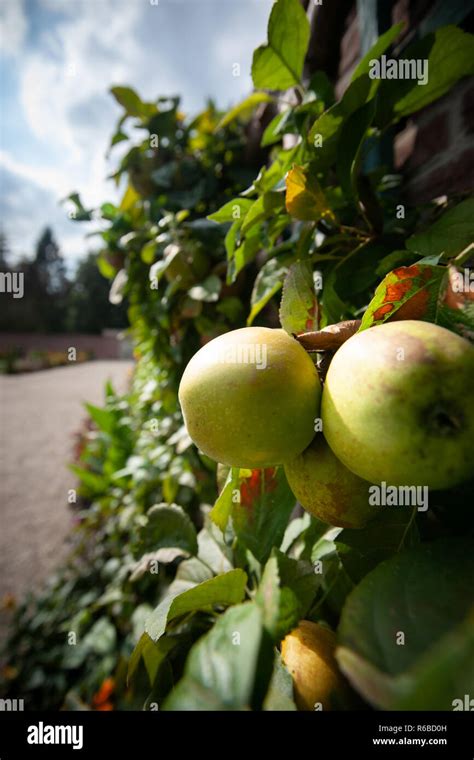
(434, 149)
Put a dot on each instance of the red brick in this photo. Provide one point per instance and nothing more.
(453, 177)
(350, 46)
(401, 12)
(432, 137)
(404, 144)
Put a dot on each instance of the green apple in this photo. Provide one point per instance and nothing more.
(398, 405)
(308, 654)
(327, 489)
(250, 398)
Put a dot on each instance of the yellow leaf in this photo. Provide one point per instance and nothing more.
(129, 199)
(304, 198)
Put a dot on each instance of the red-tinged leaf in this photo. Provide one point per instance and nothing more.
(304, 198)
(299, 312)
(406, 293)
(261, 516)
(427, 292)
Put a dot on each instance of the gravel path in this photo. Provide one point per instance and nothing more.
(40, 412)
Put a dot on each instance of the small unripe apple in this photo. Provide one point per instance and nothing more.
(250, 398)
(398, 405)
(308, 653)
(327, 489)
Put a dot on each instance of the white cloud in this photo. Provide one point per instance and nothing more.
(13, 26)
(80, 50)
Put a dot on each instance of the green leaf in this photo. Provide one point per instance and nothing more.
(295, 529)
(358, 272)
(221, 669)
(439, 680)
(231, 211)
(267, 283)
(147, 254)
(278, 65)
(261, 516)
(262, 208)
(305, 200)
(153, 653)
(106, 269)
(449, 56)
(274, 131)
(80, 213)
(327, 128)
(245, 252)
(353, 133)
(245, 108)
(299, 575)
(231, 243)
(378, 688)
(213, 549)
(443, 676)
(225, 589)
(322, 87)
(361, 551)
(279, 697)
(168, 526)
(422, 593)
(105, 419)
(101, 638)
(299, 304)
(93, 482)
(208, 290)
(449, 235)
(128, 99)
(271, 176)
(222, 509)
(232, 308)
(279, 604)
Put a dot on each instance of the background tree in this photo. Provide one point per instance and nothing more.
(89, 309)
(47, 284)
(4, 251)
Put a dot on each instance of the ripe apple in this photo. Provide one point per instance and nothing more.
(250, 397)
(327, 489)
(308, 653)
(398, 405)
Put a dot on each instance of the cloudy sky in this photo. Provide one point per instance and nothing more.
(59, 59)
